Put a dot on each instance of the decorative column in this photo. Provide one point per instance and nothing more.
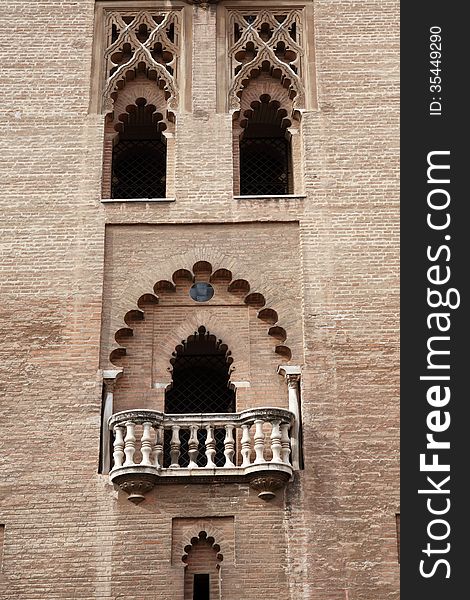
(110, 377)
(292, 375)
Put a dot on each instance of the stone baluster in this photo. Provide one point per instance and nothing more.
(259, 441)
(193, 446)
(157, 455)
(210, 447)
(175, 445)
(146, 444)
(129, 444)
(246, 445)
(285, 443)
(118, 454)
(229, 445)
(276, 445)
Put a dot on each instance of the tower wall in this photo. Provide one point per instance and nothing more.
(72, 266)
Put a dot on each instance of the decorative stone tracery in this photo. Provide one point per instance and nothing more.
(266, 43)
(142, 45)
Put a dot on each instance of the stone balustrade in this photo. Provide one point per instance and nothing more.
(253, 445)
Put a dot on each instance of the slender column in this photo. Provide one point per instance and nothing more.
(175, 445)
(229, 444)
(110, 377)
(296, 177)
(259, 441)
(157, 455)
(170, 163)
(246, 445)
(129, 444)
(146, 444)
(118, 454)
(193, 446)
(292, 376)
(285, 443)
(276, 446)
(210, 447)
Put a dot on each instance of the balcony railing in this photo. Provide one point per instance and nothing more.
(253, 446)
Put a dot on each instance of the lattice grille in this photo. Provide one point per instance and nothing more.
(142, 42)
(139, 169)
(264, 166)
(266, 40)
(200, 385)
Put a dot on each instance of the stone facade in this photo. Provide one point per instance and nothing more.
(91, 286)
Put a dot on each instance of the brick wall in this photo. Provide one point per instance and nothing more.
(72, 267)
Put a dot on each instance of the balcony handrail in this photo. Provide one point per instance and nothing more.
(139, 416)
(256, 447)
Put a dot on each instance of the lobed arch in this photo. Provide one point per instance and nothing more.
(266, 103)
(129, 96)
(238, 287)
(203, 532)
(141, 63)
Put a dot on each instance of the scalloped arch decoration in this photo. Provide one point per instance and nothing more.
(203, 532)
(238, 287)
(142, 89)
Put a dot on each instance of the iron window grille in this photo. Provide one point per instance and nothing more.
(201, 375)
(139, 169)
(264, 166)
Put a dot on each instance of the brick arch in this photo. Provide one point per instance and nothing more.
(203, 531)
(266, 84)
(239, 287)
(140, 89)
(129, 97)
(183, 331)
(202, 554)
(263, 88)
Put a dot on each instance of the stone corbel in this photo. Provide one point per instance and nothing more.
(110, 377)
(292, 376)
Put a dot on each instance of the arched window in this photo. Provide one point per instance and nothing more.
(202, 579)
(139, 155)
(201, 374)
(201, 384)
(265, 153)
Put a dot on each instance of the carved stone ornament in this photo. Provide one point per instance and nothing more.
(267, 484)
(136, 485)
(142, 44)
(266, 41)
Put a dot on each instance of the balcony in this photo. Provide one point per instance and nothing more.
(252, 446)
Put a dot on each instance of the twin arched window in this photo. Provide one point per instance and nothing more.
(139, 153)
